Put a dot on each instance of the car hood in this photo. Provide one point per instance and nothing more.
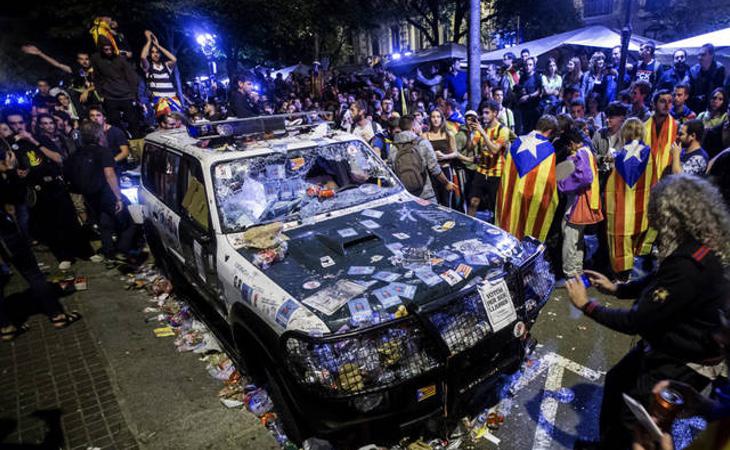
(370, 246)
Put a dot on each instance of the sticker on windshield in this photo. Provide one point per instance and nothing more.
(347, 232)
(370, 224)
(386, 276)
(451, 277)
(498, 304)
(361, 270)
(375, 214)
(327, 261)
(387, 296)
(429, 277)
(403, 290)
(359, 309)
(332, 298)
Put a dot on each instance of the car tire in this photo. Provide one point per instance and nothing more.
(157, 249)
(293, 429)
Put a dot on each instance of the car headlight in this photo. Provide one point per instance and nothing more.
(360, 361)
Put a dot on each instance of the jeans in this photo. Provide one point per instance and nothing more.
(573, 249)
(16, 250)
(102, 206)
(121, 111)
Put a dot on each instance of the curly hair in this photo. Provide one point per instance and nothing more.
(684, 206)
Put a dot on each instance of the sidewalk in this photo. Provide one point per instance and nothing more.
(108, 382)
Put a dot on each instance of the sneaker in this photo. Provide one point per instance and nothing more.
(64, 265)
(97, 259)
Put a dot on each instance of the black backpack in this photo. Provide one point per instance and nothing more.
(81, 172)
(409, 167)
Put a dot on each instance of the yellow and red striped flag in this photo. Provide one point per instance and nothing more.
(528, 194)
(660, 144)
(627, 201)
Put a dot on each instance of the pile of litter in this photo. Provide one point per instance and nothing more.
(173, 318)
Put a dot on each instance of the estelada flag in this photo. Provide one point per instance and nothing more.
(660, 144)
(528, 194)
(627, 201)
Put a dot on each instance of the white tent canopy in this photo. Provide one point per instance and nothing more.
(592, 36)
(720, 39)
(300, 68)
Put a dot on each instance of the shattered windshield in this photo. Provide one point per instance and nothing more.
(298, 184)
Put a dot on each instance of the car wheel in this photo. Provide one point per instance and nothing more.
(294, 431)
(157, 249)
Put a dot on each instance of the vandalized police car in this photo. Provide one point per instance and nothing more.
(360, 304)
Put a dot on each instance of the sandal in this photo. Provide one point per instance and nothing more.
(66, 319)
(7, 336)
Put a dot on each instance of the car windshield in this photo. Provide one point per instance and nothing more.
(298, 184)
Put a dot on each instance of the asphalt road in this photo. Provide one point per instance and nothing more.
(559, 397)
(169, 401)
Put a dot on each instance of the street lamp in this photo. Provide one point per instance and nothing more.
(207, 44)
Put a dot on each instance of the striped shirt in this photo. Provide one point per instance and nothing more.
(491, 164)
(159, 80)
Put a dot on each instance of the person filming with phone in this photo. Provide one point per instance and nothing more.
(677, 307)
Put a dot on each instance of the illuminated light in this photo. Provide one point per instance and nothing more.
(408, 53)
(209, 36)
(21, 100)
(131, 194)
(200, 39)
(396, 56)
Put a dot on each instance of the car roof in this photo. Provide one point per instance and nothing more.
(179, 140)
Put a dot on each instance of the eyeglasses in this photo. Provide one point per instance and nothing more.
(718, 97)
(17, 123)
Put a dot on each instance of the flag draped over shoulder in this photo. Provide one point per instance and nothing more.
(528, 195)
(660, 144)
(627, 200)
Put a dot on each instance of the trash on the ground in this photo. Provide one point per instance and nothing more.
(81, 283)
(164, 332)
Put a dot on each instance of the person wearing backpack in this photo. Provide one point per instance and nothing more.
(90, 172)
(413, 159)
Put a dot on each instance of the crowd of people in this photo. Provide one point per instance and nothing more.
(554, 154)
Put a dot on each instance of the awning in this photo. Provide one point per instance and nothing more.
(720, 39)
(440, 53)
(596, 36)
(300, 68)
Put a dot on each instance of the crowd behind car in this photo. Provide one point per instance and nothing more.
(61, 163)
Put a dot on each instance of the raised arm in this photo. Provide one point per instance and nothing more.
(35, 51)
(171, 59)
(145, 51)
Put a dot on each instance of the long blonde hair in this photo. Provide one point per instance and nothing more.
(684, 206)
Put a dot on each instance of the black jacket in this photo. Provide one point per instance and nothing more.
(702, 83)
(242, 106)
(114, 77)
(677, 309)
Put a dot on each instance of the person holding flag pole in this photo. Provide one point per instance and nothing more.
(528, 197)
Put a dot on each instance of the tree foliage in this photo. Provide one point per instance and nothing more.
(536, 18)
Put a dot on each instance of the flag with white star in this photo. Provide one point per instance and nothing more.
(631, 161)
(528, 194)
(529, 151)
(627, 199)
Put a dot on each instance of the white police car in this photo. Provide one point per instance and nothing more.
(372, 309)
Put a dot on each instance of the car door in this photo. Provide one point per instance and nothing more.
(160, 196)
(197, 238)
